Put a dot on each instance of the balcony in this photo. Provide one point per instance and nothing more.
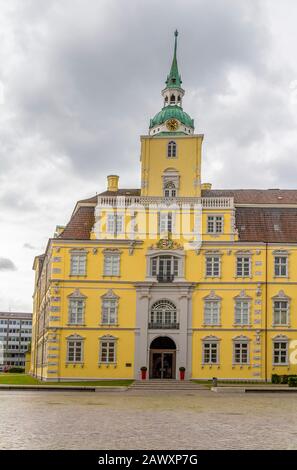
(165, 277)
(163, 326)
(147, 201)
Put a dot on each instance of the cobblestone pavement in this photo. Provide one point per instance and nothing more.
(146, 420)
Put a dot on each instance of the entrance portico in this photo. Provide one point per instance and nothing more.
(163, 313)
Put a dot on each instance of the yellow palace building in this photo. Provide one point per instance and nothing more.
(169, 276)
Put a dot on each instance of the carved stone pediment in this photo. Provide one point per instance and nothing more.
(212, 296)
(77, 295)
(166, 244)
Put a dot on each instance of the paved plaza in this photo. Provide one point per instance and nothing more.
(147, 420)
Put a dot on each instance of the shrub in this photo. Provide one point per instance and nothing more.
(275, 379)
(16, 370)
(292, 381)
(284, 379)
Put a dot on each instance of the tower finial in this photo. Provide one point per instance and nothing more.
(174, 79)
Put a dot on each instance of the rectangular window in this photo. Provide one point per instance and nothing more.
(281, 266)
(109, 311)
(164, 265)
(280, 312)
(280, 352)
(241, 353)
(115, 223)
(211, 312)
(111, 264)
(212, 266)
(78, 264)
(76, 311)
(243, 266)
(242, 312)
(107, 352)
(165, 222)
(74, 351)
(215, 224)
(210, 353)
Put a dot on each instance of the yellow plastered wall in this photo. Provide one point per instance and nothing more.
(154, 162)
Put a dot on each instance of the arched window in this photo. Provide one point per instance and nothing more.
(163, 315)
(169, 189)
(166, 100)
(172, 99)
(171, 149)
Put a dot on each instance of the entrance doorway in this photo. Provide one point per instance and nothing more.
(162, 358)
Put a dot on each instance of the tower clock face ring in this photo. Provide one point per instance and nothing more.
(172, 124)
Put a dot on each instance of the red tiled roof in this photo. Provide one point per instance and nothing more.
(255, 196)
(80, 225)
(255, 224)
(266, 224)
(90, 200)
(121, 192)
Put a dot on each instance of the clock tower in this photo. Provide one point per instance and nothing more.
(171, 152)
(172, 118)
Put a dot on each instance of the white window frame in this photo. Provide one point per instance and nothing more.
(212, 317)
(78, 346)
(278, 265)
(109, 308)
(280, 310)
(171, 149)
(115, 223)
(212, 345)
(211, 262)
(78, 264)
(239, 305)
(106, 346)
(170, 189)
(166, 221)
(278, 341)
(241, 342)
(174, 263)
(164, 312)
(114, 264)
(217, 224)
(73, 310)
(241, 260)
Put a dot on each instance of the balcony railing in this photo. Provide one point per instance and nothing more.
(165, 277)
(163, 326)
(146, 201)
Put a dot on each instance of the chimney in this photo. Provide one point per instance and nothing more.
(113, 183)
(206, 186)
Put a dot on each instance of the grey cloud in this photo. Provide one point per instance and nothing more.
(7, 265)
(93, 83)
(82, 79)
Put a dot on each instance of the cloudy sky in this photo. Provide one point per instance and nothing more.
(80, 79)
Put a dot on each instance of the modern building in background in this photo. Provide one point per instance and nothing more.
(171, 275)
(15, 338)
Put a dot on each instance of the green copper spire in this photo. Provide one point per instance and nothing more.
(174, 78)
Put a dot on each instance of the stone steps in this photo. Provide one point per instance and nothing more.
(164, 385)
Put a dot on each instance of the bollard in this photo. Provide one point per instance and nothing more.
(214, 382)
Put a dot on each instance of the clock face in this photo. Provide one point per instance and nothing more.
(172, 124)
